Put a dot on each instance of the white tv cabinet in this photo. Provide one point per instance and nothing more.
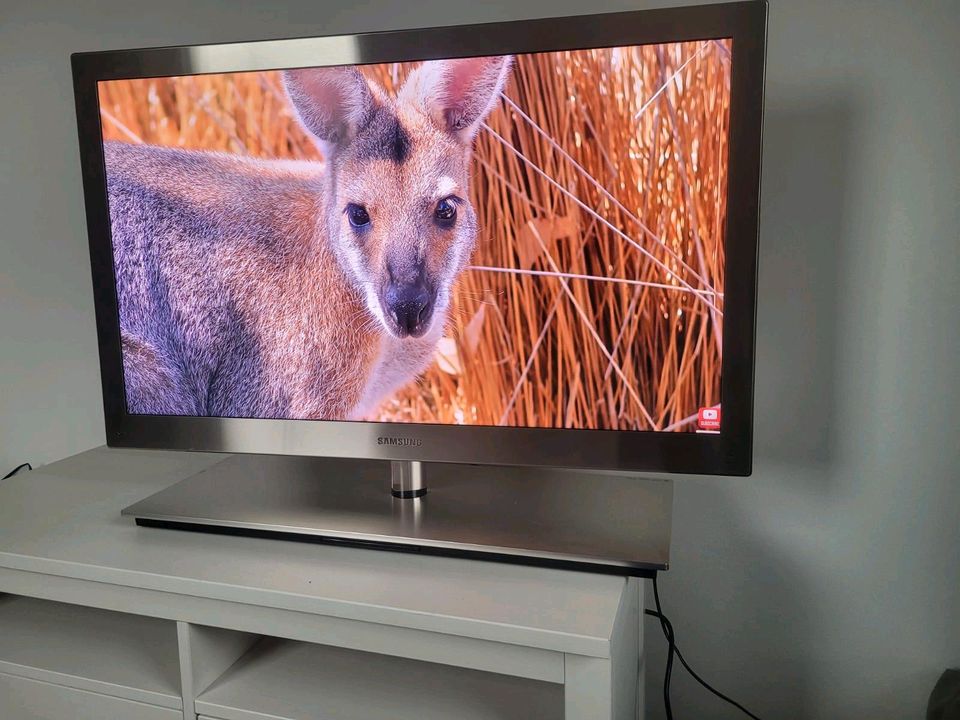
(103, 620)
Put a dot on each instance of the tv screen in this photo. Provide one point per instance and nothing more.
(529, 240)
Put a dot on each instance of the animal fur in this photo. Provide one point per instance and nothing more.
(245, 291)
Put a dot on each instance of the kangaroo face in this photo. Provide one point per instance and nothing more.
(397, 211)
(400, 215)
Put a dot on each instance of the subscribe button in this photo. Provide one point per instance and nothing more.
(709, 418)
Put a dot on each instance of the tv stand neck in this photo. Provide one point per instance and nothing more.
(406, 479)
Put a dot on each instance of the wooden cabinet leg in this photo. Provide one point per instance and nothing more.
(587, 688)
(610, 688)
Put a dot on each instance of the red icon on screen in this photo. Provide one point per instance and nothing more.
(709, 418)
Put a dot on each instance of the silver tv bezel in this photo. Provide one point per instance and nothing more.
(726, 453)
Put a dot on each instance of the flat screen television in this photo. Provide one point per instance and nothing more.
(526, 243)
(522, 243)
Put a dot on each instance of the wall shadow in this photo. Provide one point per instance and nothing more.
(728, 594)
(804, 194)
(732, 588)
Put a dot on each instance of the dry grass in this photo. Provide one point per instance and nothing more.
(618, 171)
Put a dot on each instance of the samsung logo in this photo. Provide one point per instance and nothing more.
(398, 441)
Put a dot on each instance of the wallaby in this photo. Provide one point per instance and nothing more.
(294, 289)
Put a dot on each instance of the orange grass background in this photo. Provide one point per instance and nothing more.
(618, 171)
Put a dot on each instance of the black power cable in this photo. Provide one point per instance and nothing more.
(17, 469)
(667, 627)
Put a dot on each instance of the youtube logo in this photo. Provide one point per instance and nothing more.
(709, 418)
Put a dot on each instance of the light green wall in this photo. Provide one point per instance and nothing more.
(825, 586)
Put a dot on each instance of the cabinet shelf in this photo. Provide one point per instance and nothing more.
(114, 654)
(301, 681)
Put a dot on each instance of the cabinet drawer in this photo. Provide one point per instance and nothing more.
(22, 699)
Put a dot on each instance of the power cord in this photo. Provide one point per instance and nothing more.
(667, 627)
(17, 469)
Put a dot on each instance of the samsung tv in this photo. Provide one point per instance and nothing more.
(528, 243)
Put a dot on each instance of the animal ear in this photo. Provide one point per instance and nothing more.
(332, 103)
(458, 94)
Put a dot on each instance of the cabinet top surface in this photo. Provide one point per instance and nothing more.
(64, 520)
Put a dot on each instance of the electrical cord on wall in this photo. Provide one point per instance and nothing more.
(17, 469)
(673, 650)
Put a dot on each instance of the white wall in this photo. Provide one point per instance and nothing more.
(825, 586)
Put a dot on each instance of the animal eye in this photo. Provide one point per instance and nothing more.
(446, 211)
(357, 215)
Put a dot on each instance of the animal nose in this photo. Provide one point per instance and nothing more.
(411, 305)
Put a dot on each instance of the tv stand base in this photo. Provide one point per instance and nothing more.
(596, 522)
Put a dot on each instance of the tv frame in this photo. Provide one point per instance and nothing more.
(726, 453)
